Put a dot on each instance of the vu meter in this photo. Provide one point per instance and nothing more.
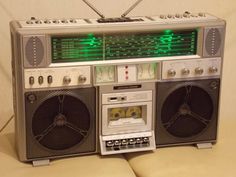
(147, 71)
(105, 74)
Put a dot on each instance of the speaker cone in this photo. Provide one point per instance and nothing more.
(187, 111)
(61, 122)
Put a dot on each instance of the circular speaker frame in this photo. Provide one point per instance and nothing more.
(61, 121)
(187, 111)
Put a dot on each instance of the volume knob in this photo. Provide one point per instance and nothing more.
(66, 80)
(199, 71)
(82, 79)
(171, 72)
(185, 71)
(213, 69)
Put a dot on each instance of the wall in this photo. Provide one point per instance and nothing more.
(22, 9)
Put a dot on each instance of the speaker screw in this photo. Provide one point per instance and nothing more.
(214, 85)
(31, 98)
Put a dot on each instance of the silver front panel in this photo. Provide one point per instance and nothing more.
(32, 57)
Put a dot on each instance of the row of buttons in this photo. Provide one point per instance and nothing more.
(66, 79)
(125, 142)
(40, 80)
(185, 15)
(186, 71)
(64, 21)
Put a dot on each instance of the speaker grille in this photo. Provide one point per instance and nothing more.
(61, 122)
(34, 51)
(213, 42)
(187, 111)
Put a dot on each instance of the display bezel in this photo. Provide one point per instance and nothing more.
(197, 44)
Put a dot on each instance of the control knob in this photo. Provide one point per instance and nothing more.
(31, 80)
(201, 14)
(66, 80)
(199, 71)
(47, 21)
(171, 72)
(178, 16)
(187, 14)
(50, 79)
(82, 79)
(40, 80)
(170, 16)
(213, 69)
(163, 16)
(185, 71)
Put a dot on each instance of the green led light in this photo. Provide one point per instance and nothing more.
(168, 31)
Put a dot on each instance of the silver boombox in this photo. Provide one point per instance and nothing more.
(115, 85)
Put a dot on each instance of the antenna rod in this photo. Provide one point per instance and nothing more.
(131, 8)
(94, 9)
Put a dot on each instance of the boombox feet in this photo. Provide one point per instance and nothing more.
(204, 145)
(38, 163)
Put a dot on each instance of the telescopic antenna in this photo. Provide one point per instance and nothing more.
(131, 8)
(94, 9)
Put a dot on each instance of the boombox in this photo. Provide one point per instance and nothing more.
(115, 85)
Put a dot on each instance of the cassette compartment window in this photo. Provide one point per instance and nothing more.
(113, 46)
(120, 116)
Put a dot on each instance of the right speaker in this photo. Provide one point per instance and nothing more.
(187, 112)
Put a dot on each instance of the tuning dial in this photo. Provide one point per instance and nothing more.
(199, 71)
(82, 79)
(66, 80)
(185, 71)
(171, 72)
(213, 69)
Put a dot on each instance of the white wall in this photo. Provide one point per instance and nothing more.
(24, 9)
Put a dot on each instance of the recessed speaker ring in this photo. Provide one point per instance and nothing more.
(63, 120)
(181, 115)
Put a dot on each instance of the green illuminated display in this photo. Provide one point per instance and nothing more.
(92, 47)
(82, 48)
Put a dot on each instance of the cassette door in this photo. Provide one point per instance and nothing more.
(60, 122)
(187, 112)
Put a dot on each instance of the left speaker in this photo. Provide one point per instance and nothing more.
(60, 123)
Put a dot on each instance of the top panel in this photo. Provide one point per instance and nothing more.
(159, 19)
